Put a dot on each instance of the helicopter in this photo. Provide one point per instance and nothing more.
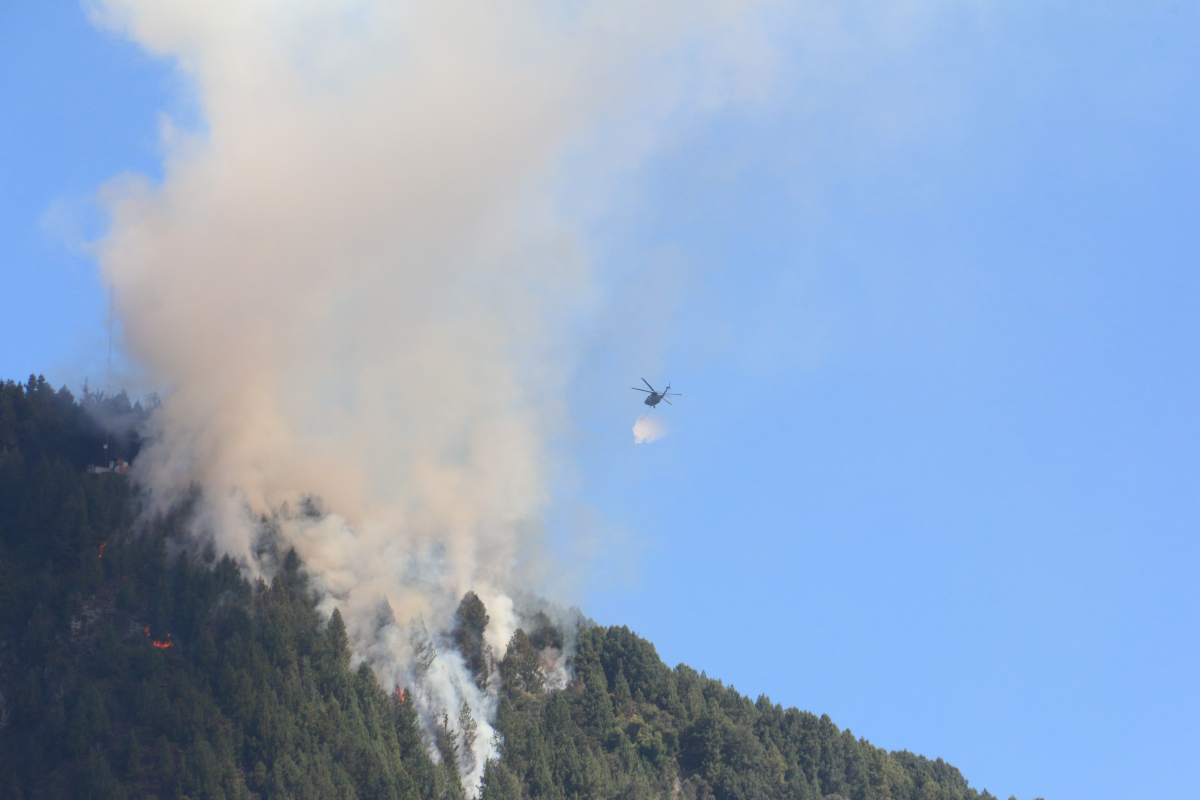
(656, 395)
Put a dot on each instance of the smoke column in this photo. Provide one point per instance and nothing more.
(354, 282)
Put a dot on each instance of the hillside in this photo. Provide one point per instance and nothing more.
(131, 669)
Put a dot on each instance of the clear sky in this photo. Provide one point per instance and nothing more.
(933, 302)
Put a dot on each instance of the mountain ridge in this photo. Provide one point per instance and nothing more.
(133, 668)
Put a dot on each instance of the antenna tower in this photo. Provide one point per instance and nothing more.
(108, 380)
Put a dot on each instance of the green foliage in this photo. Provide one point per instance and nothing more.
(470, 621)
(499, 783)
(520, 670)
(249, 697)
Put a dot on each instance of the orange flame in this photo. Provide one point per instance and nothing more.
(161, 645)
(399, 694)
(102, 546)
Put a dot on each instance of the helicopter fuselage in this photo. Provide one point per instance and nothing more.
(653, 396)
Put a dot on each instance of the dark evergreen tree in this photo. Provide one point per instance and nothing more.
(470, 621)
(498, 783)
(520, 670)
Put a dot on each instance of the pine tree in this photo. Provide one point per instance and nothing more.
(467, 730)
(520, 670)
(498, 783)
(471, 621)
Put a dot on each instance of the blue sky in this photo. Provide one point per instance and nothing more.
(933, 304)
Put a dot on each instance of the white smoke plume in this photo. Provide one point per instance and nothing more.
(648, 429)
(355, 282)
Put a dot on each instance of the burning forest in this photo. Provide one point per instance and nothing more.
(321, 576)
(162, 667)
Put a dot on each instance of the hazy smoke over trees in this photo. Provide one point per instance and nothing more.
(354, 281)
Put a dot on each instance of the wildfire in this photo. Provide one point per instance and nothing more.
(161, 645)
(102, 546)
(399, 694)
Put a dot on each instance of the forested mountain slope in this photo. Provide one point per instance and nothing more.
(129, 669)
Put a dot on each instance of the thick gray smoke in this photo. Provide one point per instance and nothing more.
(355, 282)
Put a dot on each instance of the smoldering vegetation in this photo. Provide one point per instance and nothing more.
(137, 661)
(361, 277)
(359, 285)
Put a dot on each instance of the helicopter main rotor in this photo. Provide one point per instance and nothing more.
(656, 395)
